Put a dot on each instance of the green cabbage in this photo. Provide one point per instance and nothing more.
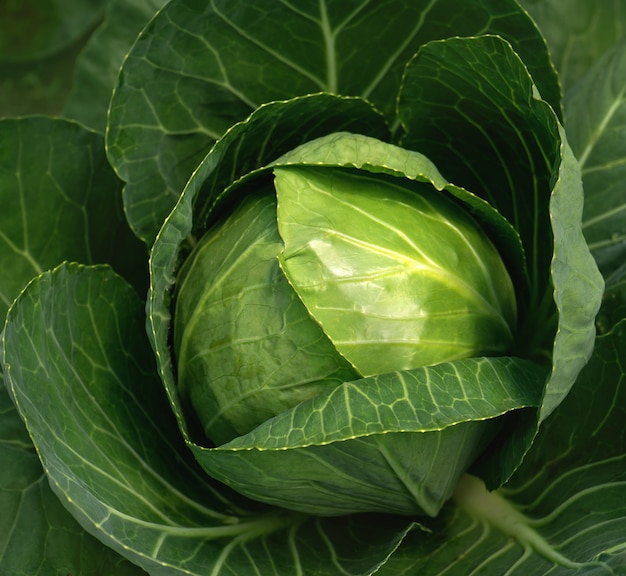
(355, 274)
(222, 308)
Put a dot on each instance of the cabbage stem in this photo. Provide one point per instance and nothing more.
(492, 509)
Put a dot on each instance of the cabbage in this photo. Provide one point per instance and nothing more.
(323, 298)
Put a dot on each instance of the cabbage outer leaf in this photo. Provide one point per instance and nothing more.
(563, 512)
(81, 373)
(519, 160)
(394, 443)
(199, 67)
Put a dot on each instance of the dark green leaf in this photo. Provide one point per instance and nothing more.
(38, 537)
(82, 373)
(200, 67)
(578, 288)
(578, 32)
(596, 129)
(100, 60)
(425, 399)
(32, 29)
(563, 513)
(60, 201)
(614, 300)
(397, 442)
(488, 133)
(519, 160)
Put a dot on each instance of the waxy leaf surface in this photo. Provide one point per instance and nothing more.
(396, 443)
(85, 384)
(519, 160)
(271, 131)
(168, 108)
(397, 274)
(563, 513)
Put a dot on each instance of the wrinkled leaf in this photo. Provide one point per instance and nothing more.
(38, 537)
(245, 346)
(520, 161)
(336, 149)
(271, 131)
(110, 445)
(168, 109)
(563, 513)
(396, 443)
(578, 285)
(613, 301)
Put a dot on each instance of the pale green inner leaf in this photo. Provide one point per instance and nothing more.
(245, 346)
(397, 276)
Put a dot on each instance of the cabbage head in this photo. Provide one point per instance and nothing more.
(348, 330)
(337, 276)
(362, 348)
